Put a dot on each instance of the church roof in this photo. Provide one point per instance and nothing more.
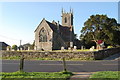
(52, 26)
(64, 31)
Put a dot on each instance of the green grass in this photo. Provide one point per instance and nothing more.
(20, 74)
(106, 74)
(84, 50)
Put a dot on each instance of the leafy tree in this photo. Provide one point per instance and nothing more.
(100, 27)
(14, 47)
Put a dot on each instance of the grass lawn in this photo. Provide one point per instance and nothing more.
(84, 50)
(34, 75)
(107, 75)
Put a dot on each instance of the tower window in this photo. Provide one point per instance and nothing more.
(65, 20)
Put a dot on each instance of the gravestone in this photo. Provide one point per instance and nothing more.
(75, 48)
(92, 48)
(69, 48)
(35, 47)
(62, 48)
(82, 47)
(21, 49)
(28, 48)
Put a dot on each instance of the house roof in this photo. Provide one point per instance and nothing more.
(4, 43)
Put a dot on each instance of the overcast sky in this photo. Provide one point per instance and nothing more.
(18, 20)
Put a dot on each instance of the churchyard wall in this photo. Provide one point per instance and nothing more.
(58, 55)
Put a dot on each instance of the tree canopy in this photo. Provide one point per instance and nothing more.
(14, 47)
(100, 27)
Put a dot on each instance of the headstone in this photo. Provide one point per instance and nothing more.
(69, 48)
(92, 48)
(75, 48)
(62, 48)
(21, 49)
(18, 49)
(82, 47)
(28, 48)
(35, 47)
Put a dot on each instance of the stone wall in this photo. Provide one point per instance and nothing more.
(75, 55)
(101, 54)
(48, 55)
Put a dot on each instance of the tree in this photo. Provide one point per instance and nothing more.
(100, 27)
(14, 47)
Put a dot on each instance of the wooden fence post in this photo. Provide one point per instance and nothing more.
(21, 64)
(64, 65)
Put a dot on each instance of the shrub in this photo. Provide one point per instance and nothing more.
(110, 47)
(14, 47)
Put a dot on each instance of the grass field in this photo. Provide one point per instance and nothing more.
(34, 75)
(106, 75)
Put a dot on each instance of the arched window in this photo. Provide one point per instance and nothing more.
(42, 35)
(65, 19)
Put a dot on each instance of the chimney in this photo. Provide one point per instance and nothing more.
(54, 22)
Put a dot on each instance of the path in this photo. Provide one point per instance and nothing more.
(81, 76)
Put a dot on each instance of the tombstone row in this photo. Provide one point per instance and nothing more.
(9, 48)
(69, 48)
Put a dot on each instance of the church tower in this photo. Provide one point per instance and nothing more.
(67, 21)
(67, 18)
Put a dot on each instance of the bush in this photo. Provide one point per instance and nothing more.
(110, 47)
(14, 47)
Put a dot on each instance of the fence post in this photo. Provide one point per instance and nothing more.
(64, 65)
(21, 64)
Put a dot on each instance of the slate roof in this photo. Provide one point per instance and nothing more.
(1, 43)
(64, 31)
(52, 26)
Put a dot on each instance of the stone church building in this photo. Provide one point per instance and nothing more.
(53, 36)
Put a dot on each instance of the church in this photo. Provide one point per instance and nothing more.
(53, 35)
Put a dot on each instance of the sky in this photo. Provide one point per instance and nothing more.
(18, 20)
